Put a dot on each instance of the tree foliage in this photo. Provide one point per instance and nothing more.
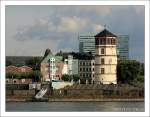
(65, 77)
(47, 51)
(34, 63)
(129, 70)
(76, 78)
(8, 62)
(35, 75)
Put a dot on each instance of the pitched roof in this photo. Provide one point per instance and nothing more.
(49, 56)
(105, 33)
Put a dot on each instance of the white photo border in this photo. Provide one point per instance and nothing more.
(5, 3)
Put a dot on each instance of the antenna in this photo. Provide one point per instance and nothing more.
(105, 26)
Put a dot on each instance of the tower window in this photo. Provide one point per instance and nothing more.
(102, 51)
(102, 70)
(102, 61)
(113, 41)
(109, 41)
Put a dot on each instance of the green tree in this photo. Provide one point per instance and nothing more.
(128, 71)
(47, 51)
(76, 78)
(34, 63)
(65, 77)
(8, 62)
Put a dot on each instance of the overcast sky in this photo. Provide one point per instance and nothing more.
(32, 29)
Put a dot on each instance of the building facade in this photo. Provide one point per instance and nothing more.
(123, 46)
(86, 66)
(51, 67)
(105, 58)
(86, 43)
(72, 65)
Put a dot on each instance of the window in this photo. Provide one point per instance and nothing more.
(97, 42)
(101, 42)
(93, 63)
(113, 41)
(86, 69)
(80, 69)
(102, 61)
(80, 63)
(89, 64)
(102, 70)
(14, 81)
(93, 69)
(83, 63)
(83, 69)
(93, 75)
(89, 69)
(108, 41)
(102, 51)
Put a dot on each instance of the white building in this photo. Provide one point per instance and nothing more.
(71, 67)
(106, 58)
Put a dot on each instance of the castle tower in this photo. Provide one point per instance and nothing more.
(105, 58)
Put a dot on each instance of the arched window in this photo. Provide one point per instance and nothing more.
(14, 81)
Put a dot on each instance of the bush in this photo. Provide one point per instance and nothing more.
(76, 78)
(65, 77)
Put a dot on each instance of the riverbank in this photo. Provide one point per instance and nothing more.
(80, 100)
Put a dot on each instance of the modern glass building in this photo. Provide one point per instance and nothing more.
(86, 43)
(123, 46)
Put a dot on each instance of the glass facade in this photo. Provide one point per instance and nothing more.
(86, 43)
(123, 46)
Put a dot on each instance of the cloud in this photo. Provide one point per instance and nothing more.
(45, 28)
(76, 24)
(57, 27)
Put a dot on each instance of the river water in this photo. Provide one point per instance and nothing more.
(75, 106)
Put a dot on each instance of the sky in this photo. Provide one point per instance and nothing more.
(30, 30)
